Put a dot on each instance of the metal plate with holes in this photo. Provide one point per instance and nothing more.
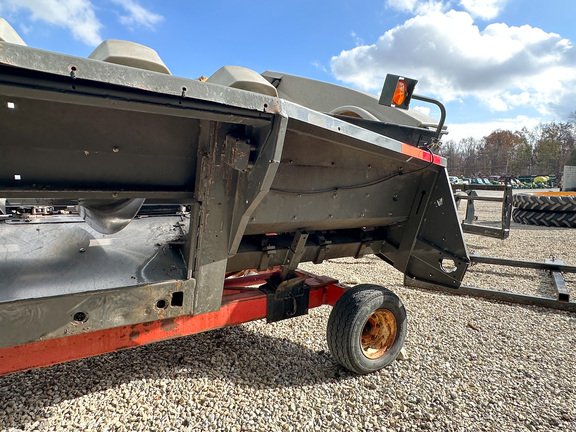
(52, 317)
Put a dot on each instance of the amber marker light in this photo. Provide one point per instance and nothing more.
(400, 93)
(397, 91)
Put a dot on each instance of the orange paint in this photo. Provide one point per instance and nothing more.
(417, 153)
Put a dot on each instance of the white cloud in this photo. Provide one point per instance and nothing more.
(359, 41)
(423, 110)
(485, 9)
(137, 15)
(402, 5)
(319, 66)
(76, 15)
(456, 131)
(502, 66)
(417, 6)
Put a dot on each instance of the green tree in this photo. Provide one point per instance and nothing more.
(522, 160)
(544, 149)
(557, 141)
(547, 155)
(571, 161)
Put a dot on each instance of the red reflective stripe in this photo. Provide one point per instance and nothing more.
(424, 155)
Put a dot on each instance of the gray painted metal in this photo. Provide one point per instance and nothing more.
(45, 318)
(85, 131)
(554, 266)
(46, 260)
(503, 296)
(559, 282)
(329, 98)
(110, 216)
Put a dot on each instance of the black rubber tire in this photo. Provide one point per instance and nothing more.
(347, 321)
(550, 203)
(542, 218)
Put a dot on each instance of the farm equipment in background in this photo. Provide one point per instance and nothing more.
(469, 193)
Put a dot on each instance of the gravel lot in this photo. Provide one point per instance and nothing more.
(471, 365)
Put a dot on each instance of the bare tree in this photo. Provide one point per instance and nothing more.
(498, 150)
(544, 149)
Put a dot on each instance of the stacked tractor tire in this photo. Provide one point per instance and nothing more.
(551, 209)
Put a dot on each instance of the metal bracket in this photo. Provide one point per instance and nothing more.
(295, 253)
(365, 247)
(324, 245)
(238, 152)
(286, 298)
(267, 251)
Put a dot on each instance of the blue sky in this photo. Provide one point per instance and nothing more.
(494, 63)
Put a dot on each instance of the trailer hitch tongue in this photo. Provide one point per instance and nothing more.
(286, 298)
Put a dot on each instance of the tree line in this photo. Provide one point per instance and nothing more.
(542, 150)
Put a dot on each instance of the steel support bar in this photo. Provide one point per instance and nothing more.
(555, 267)
(496, 295)
(561, 288)
(295, 253)
(439, 105)
(552, 265)
(559, 283)
(238, 306)
(479, 198)
(465, 188)
(485, 231)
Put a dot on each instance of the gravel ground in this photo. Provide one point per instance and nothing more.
(471, 365)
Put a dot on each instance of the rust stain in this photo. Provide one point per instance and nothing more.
(134, 335)
(169, 325)
(273, 107)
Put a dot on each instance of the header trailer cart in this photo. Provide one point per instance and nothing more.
(130, 198)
